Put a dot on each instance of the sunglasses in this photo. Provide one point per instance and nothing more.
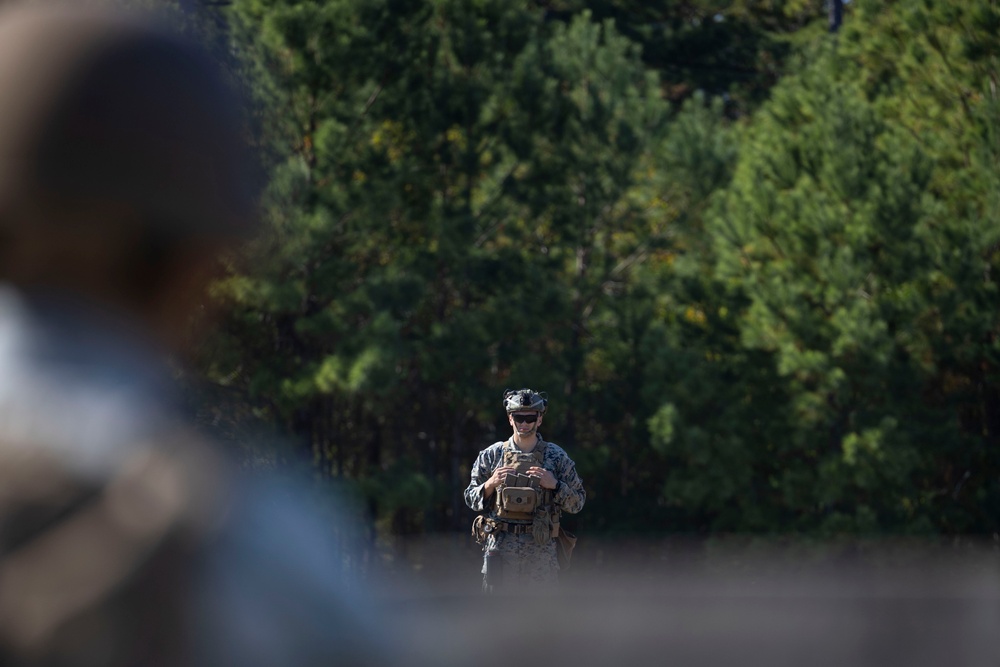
(525, 419)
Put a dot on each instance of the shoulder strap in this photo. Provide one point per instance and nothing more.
(507, 453)
(539, 451)
(139, 528)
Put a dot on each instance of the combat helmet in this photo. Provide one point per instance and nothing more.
(515, 400)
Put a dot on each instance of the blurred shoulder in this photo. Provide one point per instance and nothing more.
(287, 555)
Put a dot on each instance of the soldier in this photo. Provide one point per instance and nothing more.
(126, 539)
(523, 485)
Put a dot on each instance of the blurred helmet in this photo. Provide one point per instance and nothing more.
(113, 108)
(516, 400)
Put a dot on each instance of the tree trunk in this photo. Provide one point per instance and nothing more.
(836, 10)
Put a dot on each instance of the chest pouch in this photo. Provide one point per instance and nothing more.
(519, 496)
(520, 499)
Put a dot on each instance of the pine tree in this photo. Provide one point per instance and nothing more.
(456, 194)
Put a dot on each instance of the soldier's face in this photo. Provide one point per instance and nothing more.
(525, 422)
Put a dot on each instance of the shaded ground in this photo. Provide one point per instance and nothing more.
(729, 602)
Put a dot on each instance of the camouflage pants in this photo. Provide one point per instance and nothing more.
(527, 566)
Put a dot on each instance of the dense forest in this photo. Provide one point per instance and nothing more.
(746, 247)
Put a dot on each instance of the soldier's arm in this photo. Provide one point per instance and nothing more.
(482, 470)
(570, 495)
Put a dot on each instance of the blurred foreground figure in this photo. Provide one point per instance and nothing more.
(124, 539)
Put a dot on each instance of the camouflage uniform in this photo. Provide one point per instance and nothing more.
(526, 563)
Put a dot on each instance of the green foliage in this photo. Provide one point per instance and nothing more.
(780, 323)
(853, 252)
(732, 49)
(459, 195)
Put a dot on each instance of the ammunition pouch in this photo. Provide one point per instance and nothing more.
(520, 497)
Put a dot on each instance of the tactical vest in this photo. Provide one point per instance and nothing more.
(519, 497)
